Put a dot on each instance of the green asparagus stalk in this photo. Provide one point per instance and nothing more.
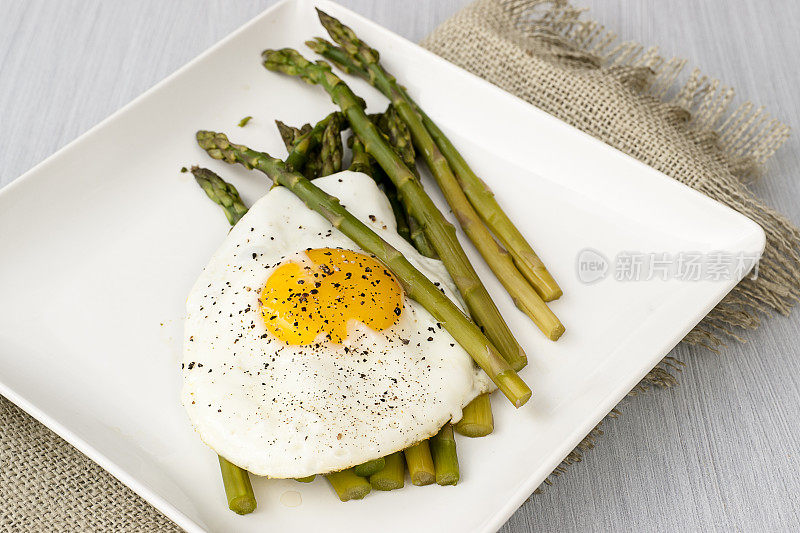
(393, 474)
(339, 57)
(370, 467)
(363, 163)
(498, 259)
(221, 192)
(348, 485)
(331, 148)
(419, 205)
(416, 285)
(419, 240)
(238, 489)
(436, 147)
(477, 419)
(522, 291)
(445, 459)
(236, 480)
(482, 198)
(307, 479)
(420, 464)
(302, 144)
(290, 135)
(399, 136)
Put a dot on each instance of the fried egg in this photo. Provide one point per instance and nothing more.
(303, 355)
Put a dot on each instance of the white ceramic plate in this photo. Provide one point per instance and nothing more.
(102, 241)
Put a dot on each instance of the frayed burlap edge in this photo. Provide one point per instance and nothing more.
(732, 143)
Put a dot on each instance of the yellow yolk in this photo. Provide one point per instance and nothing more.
(300, 300)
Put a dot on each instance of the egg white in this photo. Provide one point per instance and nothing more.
(291, 411)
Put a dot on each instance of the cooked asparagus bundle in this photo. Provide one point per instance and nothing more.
(392, 476)
(477, 412)
(477, 419)
(440, 154)
(419, 205)
(524, 292)
(348, 485)
(416, 285)
(238, 489)
(498, 259)
(445, 459)
(420, 464)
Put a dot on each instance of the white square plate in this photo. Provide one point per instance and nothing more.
(102, 241)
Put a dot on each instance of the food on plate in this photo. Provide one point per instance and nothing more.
(440, 232)
(392, 476)
(303, 355)
(349, 485)
(332, 332)
(415, 284)
(477, 419)
(238, 489)
(370, 467)
(445, 459)
(420, 464)
(358, 58)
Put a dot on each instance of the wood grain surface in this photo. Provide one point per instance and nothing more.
(718, 452)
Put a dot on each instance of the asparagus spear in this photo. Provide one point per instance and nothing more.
(435, 147)
(393, 474)
(221, 192)
(498, 259)
(419, 205)
(420, 464)
(225, 195)
(302, 143)
(445, 459)
(238, 489)
(348, 485)
(306, 159)
(416, 285)
(331, 148)
(361, 161)
(398, 135)
(418, 238)
(370, 467)
(477, 419)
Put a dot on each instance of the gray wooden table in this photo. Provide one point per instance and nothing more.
(719, 452)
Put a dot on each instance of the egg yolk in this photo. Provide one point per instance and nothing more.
(302, 299)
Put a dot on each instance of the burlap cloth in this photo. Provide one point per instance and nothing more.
(547, 54)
